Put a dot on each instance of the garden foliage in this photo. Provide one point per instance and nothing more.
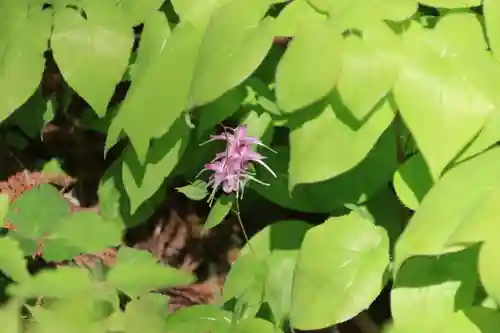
(384, 114)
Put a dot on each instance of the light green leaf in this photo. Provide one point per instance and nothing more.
(452, 3)
(4, 205)
(234, 44)
(455, 199)
(198, 12)
(296, 14)
(373, 60)
(154, 37)
(246, 283)
(412, 181)
(136, 273)
(475, 320)
(491, 10)
(25, 33)
(10, 317)
(489, 270)
(198, 319)
(278, 288)
(433, 288)
(53, 167)
(344, 142)
(138, 11)
(89, 232)
(100, 43)
(251, 325)
(442, 94)
(146, 314)
(357, 253)
(195, 191)
(12, 262)
(38, 211)
(489, 135)
(219, 211)
(54, 283)
(158, 109)
(308, 71)
(141, 182)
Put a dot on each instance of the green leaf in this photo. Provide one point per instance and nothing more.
(53, 167)
(234, 44)
(459, 197)
(154, 35)
(251, 325)
(283, 238)
(54, 283)
(136, 273)
(4, 205)
(219, 211)
(344, 142)
(452, 3)
(475, 320)
(354, 186)
(146, 314)
(442, 93)
(81, 49)
(246, 283)
(198, 319)
(195, 191)
(278, 288)
(10, 317)
(309, 69)
(220, 109)
(197, 12)
(372, 60)
(433, 288)
(138, 11)
(294, 15)
(12, 262)
(25, 33)
(38, 211)
(158, 109)
(489, 136)
(141, 182)
(412, 181)
(357, 253)
(88, 231)
(489, 270)
(491, 10)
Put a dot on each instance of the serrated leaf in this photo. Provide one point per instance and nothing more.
(146, 314)
(373, 60)
(141, 182)
(345, 141)
(357, 253)
(138, 11)
(38, 211)
(12, 262)
(137, 274)
(308, 71)
(195, 191)
(158, 109)
(457, 198)
(100, 43)
(459, 103)
(234, 44)
(412, 181)
(89, 232)
(25, 33)
(55, 283)
(433, 288)
(219, 211)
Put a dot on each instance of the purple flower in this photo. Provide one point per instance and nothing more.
(230, 167)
